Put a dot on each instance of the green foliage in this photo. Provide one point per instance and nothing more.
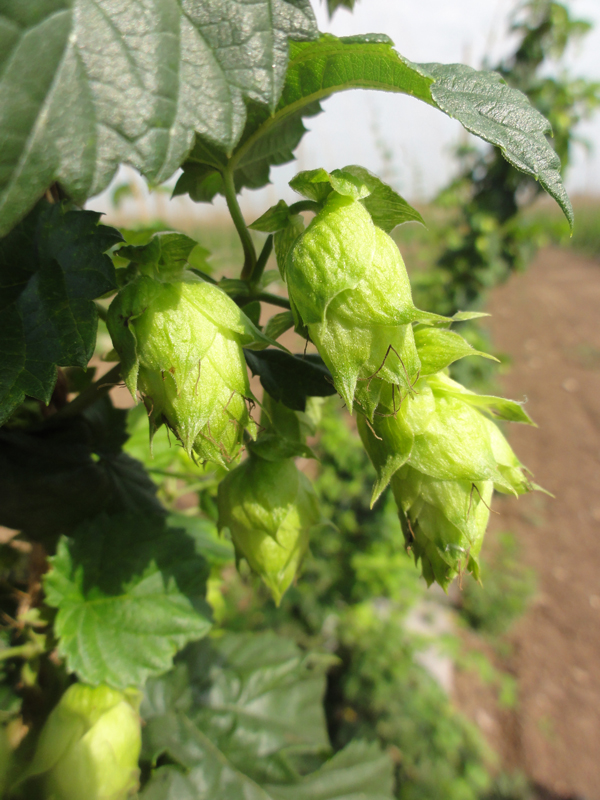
(52, 266)
(241, 716)
(489, 238)
(76, 126)
(507, 588)
(130, 593)
(123, 574)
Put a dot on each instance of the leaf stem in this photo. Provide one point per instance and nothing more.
(26, 651)
(304, 205)
(262, 260)
(240, 225)
(265, 297)
(89, 396)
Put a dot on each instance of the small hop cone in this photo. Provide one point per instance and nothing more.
(444, 458)
(348, 285)
(90, 745)
(180, 344)
(269, 508)
(444, 522)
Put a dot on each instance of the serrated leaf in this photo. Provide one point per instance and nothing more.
(486, 106)
(358, 772)
(332, 65)
(213, 547)
(52, 266)
(290, 379)
(481, 101)
(253, 694)
(209, 773)
(73, 471)
(87, 86)
(438, 348)
(129, 592)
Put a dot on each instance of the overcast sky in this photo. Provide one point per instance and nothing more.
(360, 127)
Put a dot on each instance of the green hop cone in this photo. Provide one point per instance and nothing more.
(348, 285)
(444, 457)
(90, 745)
(444, 522)
(269, 508)
(180, 344)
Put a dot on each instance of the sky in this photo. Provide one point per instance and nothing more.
(405, 141)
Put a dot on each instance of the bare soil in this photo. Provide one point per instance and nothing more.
(548, 322)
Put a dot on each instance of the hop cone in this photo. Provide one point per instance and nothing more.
(180, 344)
(444, 457)
(90, 745)
(269, 508)
(348, 285)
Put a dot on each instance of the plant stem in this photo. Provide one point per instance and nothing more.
(102, 312)
(89, 396)
(262, 260)
(238, 221)
(265, 297)
(26, 651)
(304, 205)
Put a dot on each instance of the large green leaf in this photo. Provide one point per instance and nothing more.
(85, 86)
(290, 379)
(253, 694)
(232, 715)
(58, 475)
(481, 101)
(130, 593)
(358, 772)
(488, 107)
(52, 266)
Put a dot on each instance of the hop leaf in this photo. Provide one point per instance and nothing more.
(269, 508)
(90, 745)
(180, 344)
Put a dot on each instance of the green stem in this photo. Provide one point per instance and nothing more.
(262, 260)
(102, 312)
(89, 396)
(238, 221)
(265, 297)
(26, 651)
(304, 205)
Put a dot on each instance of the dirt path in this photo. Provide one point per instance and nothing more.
(548, 321)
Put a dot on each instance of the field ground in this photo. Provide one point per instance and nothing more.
(547, 321)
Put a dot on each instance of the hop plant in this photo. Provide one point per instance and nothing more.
(90, 745)
(348, 285)
(180, 343)
(269, 507)
(444, 457)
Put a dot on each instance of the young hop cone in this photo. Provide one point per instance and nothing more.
(444, 457)
(180, 343)
(90, 745)
(348, 285)
(269, 508)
